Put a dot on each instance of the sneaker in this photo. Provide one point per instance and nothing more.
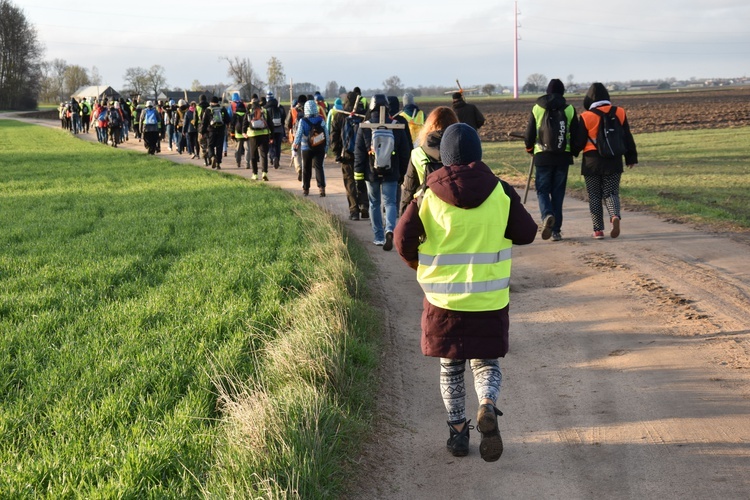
(254, 177)
(379, 243)
(322, 192)
(458, 441)
(354, 216)
(305, 192)
(491, 446)
(615, 227)
(276, 163)
(547, 224)
(265, 176)
(388, 245)
(556, 236)
(299, 175)
(598, 235)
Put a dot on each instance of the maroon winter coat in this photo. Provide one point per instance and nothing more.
(459, 334)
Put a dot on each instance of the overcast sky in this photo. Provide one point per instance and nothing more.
(423, 42)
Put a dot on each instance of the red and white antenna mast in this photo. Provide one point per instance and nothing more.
(515, 50)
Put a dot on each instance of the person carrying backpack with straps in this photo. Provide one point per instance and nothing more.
(379, 164)
(277, 116)
(257, 132)
(602, 168)
(343, 134)
(214, 126)
(312, 142)
(552, 124)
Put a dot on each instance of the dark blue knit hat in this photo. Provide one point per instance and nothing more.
(460, 145)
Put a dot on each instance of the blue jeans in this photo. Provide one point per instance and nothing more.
(550, 191)
(388, 192)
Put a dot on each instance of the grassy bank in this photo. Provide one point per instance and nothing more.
(698, 176)
(169, 332)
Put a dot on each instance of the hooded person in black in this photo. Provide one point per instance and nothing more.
(340, 133)
(552, 163)
(467, 113)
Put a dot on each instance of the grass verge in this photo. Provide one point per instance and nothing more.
(149, 308)
(700, 176)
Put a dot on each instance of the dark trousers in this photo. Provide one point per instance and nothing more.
(240, 153)
(550, 183)
(357, 198)
(274, 148)
(313, 160)
(215, 144)
(258, 150)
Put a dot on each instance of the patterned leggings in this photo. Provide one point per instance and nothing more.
(487, 379)
(607, 188)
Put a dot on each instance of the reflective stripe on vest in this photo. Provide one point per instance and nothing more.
(538, 113)
(465, 259)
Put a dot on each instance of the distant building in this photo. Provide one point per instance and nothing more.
(96, 92)
(188, 95)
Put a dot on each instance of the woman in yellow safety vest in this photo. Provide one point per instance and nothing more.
(458, 237)
(426, 157)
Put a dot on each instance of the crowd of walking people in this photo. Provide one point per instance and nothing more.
(421, 182)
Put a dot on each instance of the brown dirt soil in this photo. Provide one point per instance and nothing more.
(628, 374)
(653, 112)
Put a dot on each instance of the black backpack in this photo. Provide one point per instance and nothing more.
(610, 137)
(349, 133)
(115, 119)
(552, 136)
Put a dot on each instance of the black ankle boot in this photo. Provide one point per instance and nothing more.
(458, 442)
(491, 446)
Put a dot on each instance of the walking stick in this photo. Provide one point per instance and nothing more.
(531, 167)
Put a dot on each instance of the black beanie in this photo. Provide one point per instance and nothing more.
(457, 96)
(555, 87)
(214, 100)
(460, 145)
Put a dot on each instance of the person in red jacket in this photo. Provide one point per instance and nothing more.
(458, 237)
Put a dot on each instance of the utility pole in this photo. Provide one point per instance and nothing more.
(515, 49)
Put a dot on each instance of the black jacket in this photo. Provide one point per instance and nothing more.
(362, 157)
(468, 114)
(548, 158)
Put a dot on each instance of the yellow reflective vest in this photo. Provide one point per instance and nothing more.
(465, 259)
(415, 123)
(538, 113)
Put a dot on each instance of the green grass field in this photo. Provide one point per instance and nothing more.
(168, 332)
(697, 176)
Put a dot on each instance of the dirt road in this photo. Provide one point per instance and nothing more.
(627, 375)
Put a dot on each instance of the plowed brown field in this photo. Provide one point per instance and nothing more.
(651, 112)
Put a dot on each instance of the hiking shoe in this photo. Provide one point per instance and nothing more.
(299, 175)
(305, 192)
(615, 227)
(322, 192)
(458, 442)
(354, 216)
(276, 163)
(491, 446)
(598, 235)
(364, 214)
(265, 176)
(388, 245)
(379, 243)
(547, 224)
(254, 177)
(556, 236)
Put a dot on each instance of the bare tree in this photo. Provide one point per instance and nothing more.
(276, 76)
(392, 85)
(332, 90)
(96, 77)
(155, 79)
(196, 86)
(489, 89)
(58, 67)
(20, 59)
(136, 78)
(536, 82)
(75, 77)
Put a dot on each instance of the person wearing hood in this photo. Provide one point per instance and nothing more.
(214, 124)
(277, 117)
(257, 131)
(381, 183)
(425, 159)
(338, 105)
(552, 156)
(467, 113)
(458, 237)
(602, 174)
(414, 116)
(343, 133)
(312, 146)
